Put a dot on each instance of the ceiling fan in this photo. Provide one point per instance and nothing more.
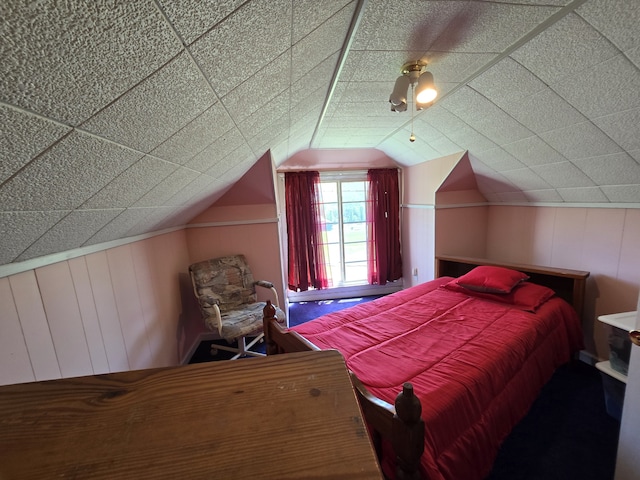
(423, 90)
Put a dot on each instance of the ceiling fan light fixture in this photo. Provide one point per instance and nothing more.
(423, 90)
(398, 98)
(426, 90)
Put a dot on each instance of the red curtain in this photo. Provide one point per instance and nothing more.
(383, 222)
(304, 231)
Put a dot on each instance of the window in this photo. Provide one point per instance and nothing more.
(345, 228)
(342, 229)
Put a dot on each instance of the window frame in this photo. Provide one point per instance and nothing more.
(339, 177)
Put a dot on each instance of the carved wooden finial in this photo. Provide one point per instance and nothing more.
(268, 314)
(408, 406)
(408, 433)
(269, 311)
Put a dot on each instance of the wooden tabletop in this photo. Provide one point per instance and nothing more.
(279, 417)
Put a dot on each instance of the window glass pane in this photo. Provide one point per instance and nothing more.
(354, 212)
(333, 259)
(335, 274)
(354, 252)
(329, 191)
(356, 272)
(331, 234)
(355, 232)
(353, 191)
(333, 253)
(344, 217)
(331, 213)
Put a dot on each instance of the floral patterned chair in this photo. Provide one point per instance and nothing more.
(226, 292)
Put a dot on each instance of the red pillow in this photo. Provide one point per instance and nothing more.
(525, 296)
(490, 279)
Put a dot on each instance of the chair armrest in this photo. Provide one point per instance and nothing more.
(269, 285)
(208, 301)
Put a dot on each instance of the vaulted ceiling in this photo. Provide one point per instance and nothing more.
(119, 118)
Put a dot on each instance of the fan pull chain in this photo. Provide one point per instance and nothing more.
(412, 137)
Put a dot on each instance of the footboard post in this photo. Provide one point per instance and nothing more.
(407, 434)
(269, 313)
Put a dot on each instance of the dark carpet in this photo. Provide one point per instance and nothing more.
(301, 312)
(567, 434)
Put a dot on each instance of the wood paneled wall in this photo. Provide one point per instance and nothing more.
(603, 241)
(114, 310)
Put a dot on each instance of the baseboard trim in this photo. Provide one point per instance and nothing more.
(588, 358)
(202, 337)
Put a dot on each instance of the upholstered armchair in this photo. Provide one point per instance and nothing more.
(226, 292)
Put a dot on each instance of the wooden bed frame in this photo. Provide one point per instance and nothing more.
(401, 423)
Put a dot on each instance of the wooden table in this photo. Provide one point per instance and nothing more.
(280, 417)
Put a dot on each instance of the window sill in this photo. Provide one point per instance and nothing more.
(344, 292)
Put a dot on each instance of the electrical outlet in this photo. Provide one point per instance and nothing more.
(415, 272)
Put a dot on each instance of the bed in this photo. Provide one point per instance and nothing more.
(445, 369)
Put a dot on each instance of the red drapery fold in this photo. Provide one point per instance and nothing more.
(307, 267)
(383, 223)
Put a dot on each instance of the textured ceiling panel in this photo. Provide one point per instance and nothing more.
(120, 225)
(563, 174)
(618, 21)
(321, 43)
(544, 111)
(24, 136)
(153, 220)
(533, 151)
(66, 175)
(609, 87)
(155, 109)
(167, 188)
(131, 184)
(489, 27)
(310, 14)
(507, 83)
(582, 195)
(222, 146)
(622, 128)
(615, 169)
(571, 45)
(245, 42)
(201, 184)
(121, 118)
(259, 89)
(580, 140)
(73, 230)
(193, 18)
(622, 193)
(68, 60)
(486, 117)
(198, 134)
(20, 229)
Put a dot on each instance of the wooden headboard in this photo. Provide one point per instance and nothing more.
(568, 284)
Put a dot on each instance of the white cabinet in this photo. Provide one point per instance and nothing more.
(614, 378)
(623, 322)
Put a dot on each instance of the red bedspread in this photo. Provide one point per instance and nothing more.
(476, 365)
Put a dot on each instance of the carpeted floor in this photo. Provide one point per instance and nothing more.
(301, 312)
(567, 434)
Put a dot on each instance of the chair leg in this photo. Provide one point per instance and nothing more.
(245, 349)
